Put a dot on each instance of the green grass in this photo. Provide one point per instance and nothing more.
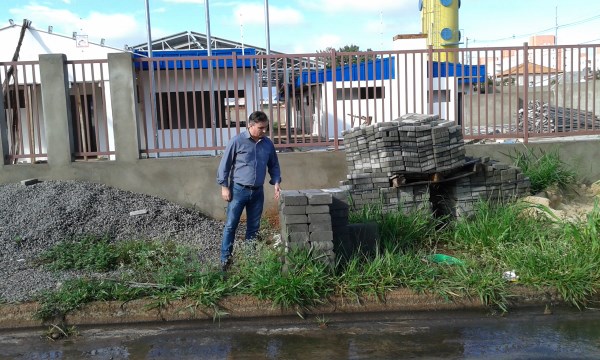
(544, 252)
(300, 281)
(73, 294)
(497, 223)
(85, 253)
(566, 261)
(544, 169)
(397, 229)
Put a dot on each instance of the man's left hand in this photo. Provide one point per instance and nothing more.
(277, 191)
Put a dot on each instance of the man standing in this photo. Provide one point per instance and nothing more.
(241, 174)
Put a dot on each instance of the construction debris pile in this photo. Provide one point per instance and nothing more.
(417, 162)
(543, 118)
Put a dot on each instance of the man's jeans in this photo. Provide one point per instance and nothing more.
(253, 201)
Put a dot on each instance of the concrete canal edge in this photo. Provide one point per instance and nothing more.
(15, 316)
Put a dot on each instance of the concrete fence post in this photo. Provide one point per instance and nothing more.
(123, 94)
(56, 105)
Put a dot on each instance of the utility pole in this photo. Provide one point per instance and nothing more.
(152, 80)
(267, 32)
(213, 120)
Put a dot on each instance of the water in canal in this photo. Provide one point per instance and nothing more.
(521, 334)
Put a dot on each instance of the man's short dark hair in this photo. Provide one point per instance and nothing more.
(257, 116)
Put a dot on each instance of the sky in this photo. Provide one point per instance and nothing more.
(307, 26)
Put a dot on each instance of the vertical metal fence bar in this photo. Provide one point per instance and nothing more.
(187, 67)
(525, 92)
(74, 92)
(195, 123)
(206, 124)
(29, 117)
(36, 109)
(144, 148)
(595, 73)
(95, 115)
(86, 112)
(586, 90)
(218, 116)
(236, 92)
(177, 134)
(335, 112)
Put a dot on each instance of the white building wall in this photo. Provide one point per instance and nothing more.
(194, 80)
(406, 93)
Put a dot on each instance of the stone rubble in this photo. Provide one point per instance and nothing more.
(34, 218)
(544, 118)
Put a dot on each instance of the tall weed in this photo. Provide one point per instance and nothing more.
(544, 169)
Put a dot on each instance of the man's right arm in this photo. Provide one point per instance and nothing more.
(226, 164)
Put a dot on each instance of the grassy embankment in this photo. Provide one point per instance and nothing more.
(543, 251)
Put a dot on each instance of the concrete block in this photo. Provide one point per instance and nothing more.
(313, 218)
(298, 245)
(293, 197)
(321, 236)
(317, 209)
(294, 219)
(298, 237)
(324, 226)
(322, 245)
(292, 228)
(318, 197)
(28, 182)
(292, 209)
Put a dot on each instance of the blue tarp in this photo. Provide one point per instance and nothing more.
(469, 74)
(378, 69)
(219, 63)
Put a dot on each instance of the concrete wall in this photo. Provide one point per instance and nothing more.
(188, 181)
(580, 153)
(192, 181)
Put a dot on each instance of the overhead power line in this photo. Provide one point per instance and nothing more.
(574, 23)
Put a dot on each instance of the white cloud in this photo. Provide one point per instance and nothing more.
(96, 25)
(358, 5)
(327, 40)
(254, 14)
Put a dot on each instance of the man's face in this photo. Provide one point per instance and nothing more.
(258, 129)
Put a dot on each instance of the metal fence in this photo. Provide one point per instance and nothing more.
(493, 93)
(24, 132)
(91, 117)
(193, 105)
(93, 136)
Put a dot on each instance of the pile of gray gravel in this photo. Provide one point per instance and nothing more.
(34, 218)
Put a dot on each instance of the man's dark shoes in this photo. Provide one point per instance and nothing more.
(225, 265)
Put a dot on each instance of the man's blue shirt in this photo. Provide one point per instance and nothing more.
(246, 161)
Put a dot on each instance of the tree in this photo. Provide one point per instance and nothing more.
(343, 59)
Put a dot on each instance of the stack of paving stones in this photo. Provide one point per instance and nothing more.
(392, 165)
(495, 182)
(414, 145)
(308, 219)
(339, 211)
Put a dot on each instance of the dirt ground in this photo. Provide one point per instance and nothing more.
(572, 204)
